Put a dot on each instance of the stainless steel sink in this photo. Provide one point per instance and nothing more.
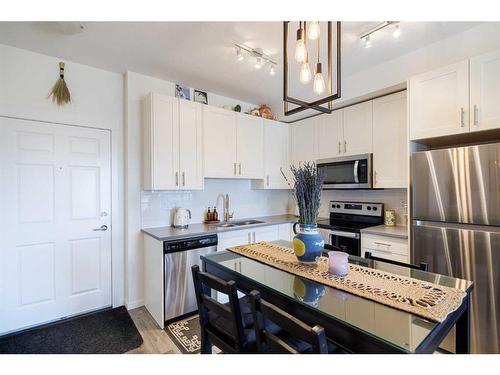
(239, 223)
(225, 225)
(247, 222)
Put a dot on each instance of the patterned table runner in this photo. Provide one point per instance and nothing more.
(430, 301)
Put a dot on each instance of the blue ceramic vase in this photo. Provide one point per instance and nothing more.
(307, 291)
(307, 243)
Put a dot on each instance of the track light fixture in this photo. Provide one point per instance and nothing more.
(366, 36)
(261, 59)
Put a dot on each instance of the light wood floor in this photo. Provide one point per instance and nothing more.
(156, 340)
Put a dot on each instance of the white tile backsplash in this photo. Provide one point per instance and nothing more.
(393, 199)
(157, 207)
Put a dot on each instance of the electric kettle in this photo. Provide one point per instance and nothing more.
(182, 216)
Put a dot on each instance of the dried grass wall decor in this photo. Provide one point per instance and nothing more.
(60, 92)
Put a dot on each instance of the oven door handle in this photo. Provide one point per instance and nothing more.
(344, 234)
(356, 179)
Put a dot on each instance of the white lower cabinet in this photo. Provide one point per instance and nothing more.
(252, 235)
(244, 237)
(391, 248)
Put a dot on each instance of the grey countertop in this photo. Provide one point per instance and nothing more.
(200, 229)
(399, 231)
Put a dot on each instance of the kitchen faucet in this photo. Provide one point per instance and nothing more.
(225, 201)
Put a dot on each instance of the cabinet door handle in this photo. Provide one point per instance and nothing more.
(345, 147)
(476, 115)
(176, 178)
(183, 179)
(462, 117)
(340, 145)
(239, 166)
(234, 168)
(267, 180)
(375, 177)
(382, 243)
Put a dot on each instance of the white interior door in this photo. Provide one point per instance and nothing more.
(55, 190)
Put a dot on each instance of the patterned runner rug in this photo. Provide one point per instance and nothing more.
(185, 334)
(430, 301)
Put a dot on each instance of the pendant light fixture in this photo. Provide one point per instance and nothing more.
(312, 31)
(300, 45)
(305, 72)
(319, 82)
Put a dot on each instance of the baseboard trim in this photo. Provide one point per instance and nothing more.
(134, 304)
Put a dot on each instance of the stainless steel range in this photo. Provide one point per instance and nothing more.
(343, 229)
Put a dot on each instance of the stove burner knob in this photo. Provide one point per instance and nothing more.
(338, 205)
(368, 208)
(374, 208)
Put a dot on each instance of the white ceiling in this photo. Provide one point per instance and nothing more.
(200, 54)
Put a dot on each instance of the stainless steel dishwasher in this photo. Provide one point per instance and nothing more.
(179, 257)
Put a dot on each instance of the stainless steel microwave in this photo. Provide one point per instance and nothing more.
(347, 172)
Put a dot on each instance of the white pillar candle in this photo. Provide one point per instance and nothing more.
(338, 263)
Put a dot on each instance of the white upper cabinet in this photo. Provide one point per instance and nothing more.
(390, 154)
(172, 144)
(485, 92)
(330, 133)
(304, 141)
(190, 145)
(219, 142)
(249, 146)
(233, 144)
(439, 102)
(358, 129)
(161, 143)
(276, 156)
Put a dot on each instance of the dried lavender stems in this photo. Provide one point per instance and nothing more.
(307, 190)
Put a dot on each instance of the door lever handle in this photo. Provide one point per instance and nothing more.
(102, 228)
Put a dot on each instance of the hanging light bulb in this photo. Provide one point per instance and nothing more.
(258, 62)
(239, 55)
(319, 82)
(305, 72)
(313, 30)
(300, 46)
(397, 31)
(272, 71)
(368, 42)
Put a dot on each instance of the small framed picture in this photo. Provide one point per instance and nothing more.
(200, 97)
(183, 92)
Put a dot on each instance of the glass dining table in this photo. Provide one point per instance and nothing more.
(357, 324)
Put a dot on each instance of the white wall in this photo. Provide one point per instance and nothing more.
(97, 101)
(156, 206)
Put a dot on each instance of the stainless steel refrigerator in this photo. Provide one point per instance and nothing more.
(456, 227)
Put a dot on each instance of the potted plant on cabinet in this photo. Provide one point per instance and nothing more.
(307, 243)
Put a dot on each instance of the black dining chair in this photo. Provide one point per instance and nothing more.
(228, 326)
(422, 266)
(290, 336)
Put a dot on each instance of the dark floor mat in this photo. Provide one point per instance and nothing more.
(105, 332)
(185, 334)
